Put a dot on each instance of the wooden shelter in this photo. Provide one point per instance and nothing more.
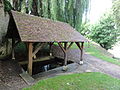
(31, 29)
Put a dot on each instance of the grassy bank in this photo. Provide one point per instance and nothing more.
(78, 82)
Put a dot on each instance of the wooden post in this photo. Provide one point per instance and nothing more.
(30, 50)
(82, 45)
(65, 54)
(6, 46)
(50, 46)
(81, 49)
(13, 46)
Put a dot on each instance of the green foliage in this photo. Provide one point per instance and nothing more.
(85, 29)
(7, 6)
(104, 32)
(70, 11)
(80, 81)
(116, 13)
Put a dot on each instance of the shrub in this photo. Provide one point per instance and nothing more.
(104, 32)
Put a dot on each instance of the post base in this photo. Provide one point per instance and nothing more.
(64, 68)
(81, 62)
(50, 54)
(13, 58)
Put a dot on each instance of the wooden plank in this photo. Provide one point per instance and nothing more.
(38, 48)
(37, 60)
(27, 78)
(30, 61)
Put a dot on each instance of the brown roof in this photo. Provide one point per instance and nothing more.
(37, 29)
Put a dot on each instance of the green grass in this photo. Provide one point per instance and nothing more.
(84, 81)
(92, 50)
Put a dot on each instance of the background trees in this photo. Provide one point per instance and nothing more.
(70, 11)
(116, 13)
(104, 32)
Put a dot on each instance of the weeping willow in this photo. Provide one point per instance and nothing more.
(69, 11)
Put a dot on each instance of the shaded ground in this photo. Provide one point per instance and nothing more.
(10, 70)
(9, 75)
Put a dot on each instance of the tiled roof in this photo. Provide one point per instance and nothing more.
(37, 29)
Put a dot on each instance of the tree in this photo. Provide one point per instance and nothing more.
(104, 32)
(85, 29)
(116, 13)
(7, 6)
(69, 11)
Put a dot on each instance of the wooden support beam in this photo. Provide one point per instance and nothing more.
(13, 46)
(30, 60)
(50, 46)
(65, 45)
(82, 45)
(81, 49)
(38, 48)
(61, 46)
(78, 44)
(65, 54)
(64, 51)
(37, 60)
(70, 45)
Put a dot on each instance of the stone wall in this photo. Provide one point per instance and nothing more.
(4, 19)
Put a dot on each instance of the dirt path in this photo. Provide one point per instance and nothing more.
(9, 75)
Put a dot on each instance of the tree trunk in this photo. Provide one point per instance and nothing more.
(34, 10)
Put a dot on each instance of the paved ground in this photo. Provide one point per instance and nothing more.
(10, 70)
(93, 62)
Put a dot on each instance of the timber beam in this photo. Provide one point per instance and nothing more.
(30, 59)
(65, 48)
(50, 46)
(37, 49)
(81, 49)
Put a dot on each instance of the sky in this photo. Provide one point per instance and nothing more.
(98, 7)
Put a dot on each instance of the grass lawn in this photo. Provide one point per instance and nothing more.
(94, 51)
(83, 81)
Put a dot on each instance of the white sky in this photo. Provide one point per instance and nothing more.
(98, 7)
